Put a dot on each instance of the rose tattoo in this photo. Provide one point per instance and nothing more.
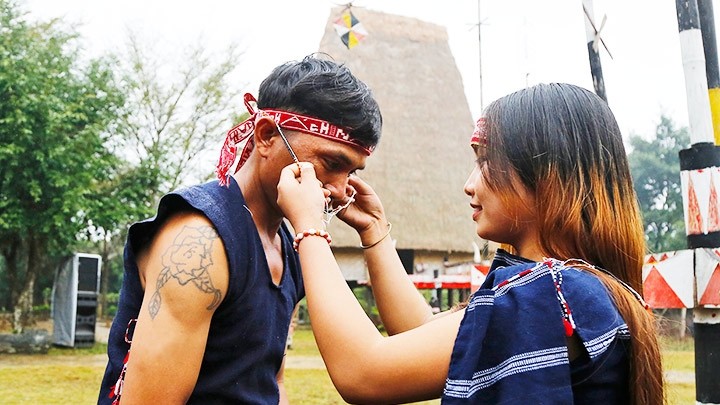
(188, 260)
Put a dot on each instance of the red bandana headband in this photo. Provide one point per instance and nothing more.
(479, 135)
(284, 119)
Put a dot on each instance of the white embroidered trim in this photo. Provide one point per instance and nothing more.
(600, 344)
(520, 363)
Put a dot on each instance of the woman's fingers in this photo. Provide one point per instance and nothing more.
(288, 173)
(299, 172)
(307, 171)
(360, 185)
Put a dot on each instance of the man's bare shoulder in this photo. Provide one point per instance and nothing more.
(186, 260)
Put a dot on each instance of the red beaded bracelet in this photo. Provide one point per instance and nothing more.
(311, 232)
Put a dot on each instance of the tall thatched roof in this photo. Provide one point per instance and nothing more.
(424, 157)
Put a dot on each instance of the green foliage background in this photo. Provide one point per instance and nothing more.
(88, 145)
(54, 117)
(655, 167)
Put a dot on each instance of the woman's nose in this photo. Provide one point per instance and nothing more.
(469, 186)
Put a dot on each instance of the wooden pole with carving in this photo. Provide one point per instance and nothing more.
(700, 177)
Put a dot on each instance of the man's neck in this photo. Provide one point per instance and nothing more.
(265, 215)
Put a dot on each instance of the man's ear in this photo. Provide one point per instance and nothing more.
(265, 131)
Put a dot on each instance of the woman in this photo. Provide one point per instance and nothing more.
(549, 325)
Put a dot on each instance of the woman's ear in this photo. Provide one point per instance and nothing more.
(264, 136)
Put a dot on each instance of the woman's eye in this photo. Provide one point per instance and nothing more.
(481, 157)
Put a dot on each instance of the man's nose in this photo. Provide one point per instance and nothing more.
(337, 188)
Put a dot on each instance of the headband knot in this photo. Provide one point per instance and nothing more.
(234, 136)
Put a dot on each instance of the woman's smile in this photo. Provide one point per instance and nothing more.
(477, 209)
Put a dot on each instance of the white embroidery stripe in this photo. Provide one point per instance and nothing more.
(480, 300)
(488, 300)
(520, 363)
(597, 346)
(529, 278)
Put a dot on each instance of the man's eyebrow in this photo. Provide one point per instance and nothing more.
(345, 160)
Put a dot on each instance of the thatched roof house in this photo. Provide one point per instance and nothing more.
(424, 156)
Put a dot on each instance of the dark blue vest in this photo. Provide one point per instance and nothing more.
(511, 346)
(248, 331)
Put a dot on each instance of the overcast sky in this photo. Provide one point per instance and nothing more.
(524, 42)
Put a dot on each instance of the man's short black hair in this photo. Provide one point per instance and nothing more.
(327, 90)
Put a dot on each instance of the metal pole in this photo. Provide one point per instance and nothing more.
(698, 164)
(593, 46)
(480, 56)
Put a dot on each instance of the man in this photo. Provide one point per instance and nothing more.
(212, 280)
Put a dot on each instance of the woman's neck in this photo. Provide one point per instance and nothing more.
(529, 249)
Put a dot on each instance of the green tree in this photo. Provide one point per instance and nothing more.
(54, 117)
(178, 108)
(121, 199)
(655, 167)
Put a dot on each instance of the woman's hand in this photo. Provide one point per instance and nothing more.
(366, 215)
(301, 196)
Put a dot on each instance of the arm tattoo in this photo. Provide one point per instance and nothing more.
(188, 260)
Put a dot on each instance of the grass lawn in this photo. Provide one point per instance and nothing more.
(679, 356)
(73, 375)
(312, 386)
(50, 384)
(681, 393)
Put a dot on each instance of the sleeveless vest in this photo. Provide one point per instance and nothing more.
(248, 331)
